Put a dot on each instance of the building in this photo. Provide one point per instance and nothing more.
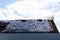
(39, 25)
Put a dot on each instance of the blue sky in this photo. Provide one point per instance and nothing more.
(48, 6)
(55, 7)
(3, 3)
(52, 7)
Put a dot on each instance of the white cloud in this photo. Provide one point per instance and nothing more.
(28, 8)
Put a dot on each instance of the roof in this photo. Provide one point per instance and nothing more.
(38, 25)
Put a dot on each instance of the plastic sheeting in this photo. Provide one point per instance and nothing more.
(29, 26)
